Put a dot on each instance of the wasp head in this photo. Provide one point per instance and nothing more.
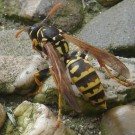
(32, 31)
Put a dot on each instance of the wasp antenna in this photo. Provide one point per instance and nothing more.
(53, 10)
(19, 32)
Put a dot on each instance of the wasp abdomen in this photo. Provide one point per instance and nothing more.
(87, 81)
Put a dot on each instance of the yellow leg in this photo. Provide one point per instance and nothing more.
(34, 44)
(36, 74)
(59, 100)
(35, 93)
(59, 111)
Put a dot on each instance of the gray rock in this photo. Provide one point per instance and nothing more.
(24, 8)
(68, 17)
(113, 28)
(10, 67)
(108, 3)
(2, 115)
(17, 73)
(119, 121)
(92, 5)
(16, 54)
(35, 119)
(24, 82)
(11, 46)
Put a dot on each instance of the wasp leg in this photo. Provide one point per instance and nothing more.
(34, 44)
(59, 100)
(127, 84)
(19, 32)
(60, 108)
(43, 73)
(84, 55)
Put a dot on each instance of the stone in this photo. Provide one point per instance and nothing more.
(108, 3)
(10, 67)
(35, 119)
(69, 17)
(10, 45)
(112, 29)
(18, 59)
(119, 121)
(2, 115)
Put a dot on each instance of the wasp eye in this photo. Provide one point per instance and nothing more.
(31, 28)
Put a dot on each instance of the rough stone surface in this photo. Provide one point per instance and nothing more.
(119, 121)
(10, 45)
(24, 81)
(10, 67)
(113, 28)
(2, 115)
(69, 17)
(108, 3)
(35, 119)
(16, 55)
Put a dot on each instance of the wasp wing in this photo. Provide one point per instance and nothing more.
(62, 80)
(101, 55)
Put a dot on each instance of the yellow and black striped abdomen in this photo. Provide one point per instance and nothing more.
(87, 81)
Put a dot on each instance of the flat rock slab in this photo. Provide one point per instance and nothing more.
(119, 121)
(10, 45)
(10, 67)
(113, 28)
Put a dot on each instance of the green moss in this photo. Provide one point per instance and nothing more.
(104, 129)
(130, 95)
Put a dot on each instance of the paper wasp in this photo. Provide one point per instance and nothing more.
(53, 42)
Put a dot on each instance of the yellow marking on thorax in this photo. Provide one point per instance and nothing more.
(66, 47)
(42, 34)
(30, 33)
(69, 62)
(60, 30)
(74, 69)
(95, 91)
(41, 44)
(54, 38)
(60, 35)
(63, 40)
(83, 74)
(44, 39)
(38, 32)
(59, 50)
(57, 43)
(44, 29)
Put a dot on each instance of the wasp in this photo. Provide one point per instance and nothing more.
(84, 76)
(54, 43)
